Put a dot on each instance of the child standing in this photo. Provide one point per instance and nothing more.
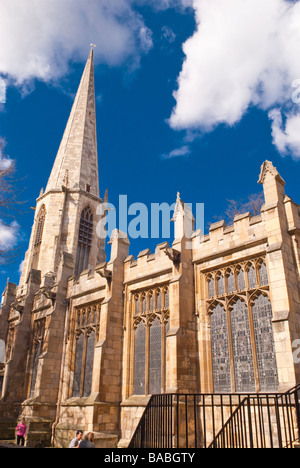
(21, 432)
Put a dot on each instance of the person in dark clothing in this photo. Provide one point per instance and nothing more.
(88, 441)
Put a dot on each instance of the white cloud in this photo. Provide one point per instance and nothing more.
(40, 37)
(168, 34)
(178, 152)
(5, 161)
(21, 267)
(2, 91)
(286, 136)
(243, 54)
(166, 4)
(9, 235)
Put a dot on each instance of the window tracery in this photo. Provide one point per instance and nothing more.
(87, 324)
(150, 325)
(242, 337)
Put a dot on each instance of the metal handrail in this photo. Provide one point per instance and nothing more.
(220, 420)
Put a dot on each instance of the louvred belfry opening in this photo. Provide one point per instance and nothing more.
(84, 240)
(38, 237)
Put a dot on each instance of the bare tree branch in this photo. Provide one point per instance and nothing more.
(253, 205)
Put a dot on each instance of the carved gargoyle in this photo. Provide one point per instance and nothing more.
(48, 294)
(104, 272)
(17, 307)
(173, 254)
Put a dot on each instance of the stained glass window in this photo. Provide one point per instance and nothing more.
(151, 302)
(137, 306)
(220, 351)
(221, 286)
(78, 366)
(89, 363)
(211, 287)
(242, 350)
(252, 277)
(265, 346)
(155, 357)
(158, 300)
(263, 275)
(241, 280)
(144, 304)
(166, 298)
(237, 331)
(140, 359)
(149, 341)
(88, 320)
(38, 343)
(37, 352)
(230, 282)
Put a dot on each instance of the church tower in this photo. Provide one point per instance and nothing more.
(63, 244)
(66, 213)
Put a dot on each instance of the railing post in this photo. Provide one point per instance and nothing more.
(277, 412)
(250, 422)
(297, 410)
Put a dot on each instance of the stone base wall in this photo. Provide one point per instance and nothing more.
(100, 418)
(132, 411)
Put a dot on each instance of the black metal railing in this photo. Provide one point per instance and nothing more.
(220, 421)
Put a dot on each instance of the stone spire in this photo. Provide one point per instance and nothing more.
(76, 163)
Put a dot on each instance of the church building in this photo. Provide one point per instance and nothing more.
(89, 339)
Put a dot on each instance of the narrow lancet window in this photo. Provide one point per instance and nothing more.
(84, 240)
(38, 238)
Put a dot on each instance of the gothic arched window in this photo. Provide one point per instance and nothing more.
(38, 237)
(252, 277)
(242, 349)
(211, 287)
(263, 274)
(220, 350)
(87, 331)
(150, 328)
(155, 361)
(140, 359)
(242, 337)
(241, 280)
(84, 240)
(230, 282)
(265, 345)
(158, 300)
(220, 282)
(38, 343)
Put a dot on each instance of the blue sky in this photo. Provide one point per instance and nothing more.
(229, 94)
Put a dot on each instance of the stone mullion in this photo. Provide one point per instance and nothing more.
(163, 356)
(257, 264)
(147, 357)
(83, 363)
(72, 348)
(230, 344)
